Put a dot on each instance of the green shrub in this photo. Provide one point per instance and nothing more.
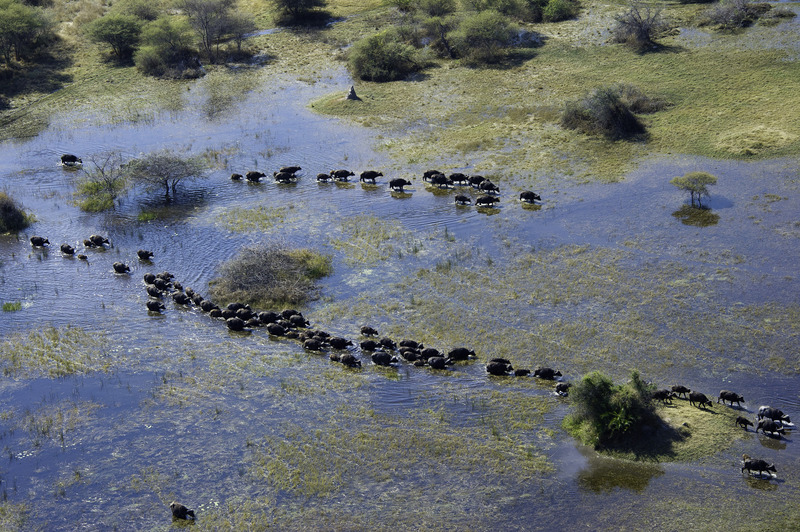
(12, 306)
(696, 184)
(602, 112)
(483, 37)
(301, 11)
(605, 411)
(120, 32)
(141, 9)
(382, 57)
(437, 8)
(270, 275)
(167, 49)
(12, 216)
(558, 10)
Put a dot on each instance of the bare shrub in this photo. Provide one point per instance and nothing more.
(637, 101)
(270, 275)
(734, 14)
(639, 26)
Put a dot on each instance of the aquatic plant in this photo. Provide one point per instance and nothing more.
(270, 275)
(12, 306)
(54, 352)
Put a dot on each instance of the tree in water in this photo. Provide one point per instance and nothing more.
(164, 170)
(696, 184)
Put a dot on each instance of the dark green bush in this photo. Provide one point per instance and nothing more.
(270, 276)
(12, 217)
(437, 8)
(382, 57)
(602, 112)
(120, 32)
(605, 411)
(167, 49)
(558, 10)
(484, 37)
(292, 12)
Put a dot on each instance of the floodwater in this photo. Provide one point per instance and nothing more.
(187, 410)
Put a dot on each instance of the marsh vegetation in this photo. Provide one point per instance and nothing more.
(105, 404)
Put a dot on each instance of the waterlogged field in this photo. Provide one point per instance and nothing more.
(109, 413)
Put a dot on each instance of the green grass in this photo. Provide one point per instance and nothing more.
(55, 352)
(259, 218)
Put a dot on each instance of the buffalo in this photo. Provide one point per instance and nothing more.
(121, 267)
(461, 199)
(180, 511)
(66, 249)
(681, 390)
(546, 373)
(725, 395)
(312, 344)
(476, 180)
(521, 372)
(755, 464)
(236, 177)
(743, 422)
(459, 179)
(426, 175)
(39, 241)
(254, 176)
(499, 367)
(337, 342)
(70, 160)
(369, 345)
(98, 241)
(323, 178)
(441, 181)
(461, 353)
(397, 184)
(341, 175)
(665, 396)
(370, 176)
(486, 201)
(411, 343)
(284, 177)
(700, 399)
(235, 324)
(350, 360)
(773, 413)
(276, 329)
(368, 331)
(144, 254)
(289, 169)
(489, 187)
(382, 358)
(562, 388)
(768, 425)
(438, 362)
(154, 305)
(527, 196)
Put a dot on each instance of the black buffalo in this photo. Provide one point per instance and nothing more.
(755, 464)
(70, 160)
(743, 422)
(546, 373)
(527, 196)
(397, 184)
(370, 176)
(768, 425)
(773, 413)
(725, 395)
(180, 511)
(700, 399)
(39, 241)
(486, 201)
(681, 390)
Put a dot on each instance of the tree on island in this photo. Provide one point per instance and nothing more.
(696, 184)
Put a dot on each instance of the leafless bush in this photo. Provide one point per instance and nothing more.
(734, 14)
(637, 101)
(639, 26)
(270, 275)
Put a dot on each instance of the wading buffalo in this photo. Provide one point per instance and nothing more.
(773, 413)
(39, 241)
(461, 199)
(66, 249)
(254, 177)
(341, 175)
(366, 330)
(755, 464)
(486, 201)
(527, 196)
(546, 373)
(180, 511)
(70, 160)
(743, 422)
(398, 184)
(144, 254)
(768, 425)
(121, 267)
(369, 176)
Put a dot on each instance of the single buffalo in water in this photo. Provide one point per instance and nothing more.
(180, 511)
(700, 399)
(98, 240)
(437, 362)
(773, 413)
(743, 422)
(461, 199)
(338, 342)
(382, 358)
(370, 175)
(526, 196)
(520, 372)
(235, 324)
(398, 184)
(153, 305)
(275, 329)
(486, 201)
(144, 254)
(66, 249)
(768, 425)
(289, 169)
(312, 344)
(341, 175)
(461, 353)
(755, 464)
(237, 177)
(499, 367)
(368, 331)
(69, 159)
(254, 177)
(562, 388)
(725, 395)
(546, 373)
(39, 241)
(121, 267)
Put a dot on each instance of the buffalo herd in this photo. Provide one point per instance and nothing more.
(489, 197)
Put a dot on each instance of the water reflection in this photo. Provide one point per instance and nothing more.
(602, 475)
(696, 216)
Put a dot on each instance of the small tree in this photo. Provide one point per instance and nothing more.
(103, 181)
(164, 170)
(22, 28)
(483, 37)
(119, 31)
(211, 20)
(696, 184)
(382, 57)
(639, 26)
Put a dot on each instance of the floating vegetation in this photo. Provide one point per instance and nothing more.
(12, 306)
(15, 516)
(55, 352)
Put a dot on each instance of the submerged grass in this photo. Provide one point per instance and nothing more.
(369, 239)
(259, 218)
(55, 352)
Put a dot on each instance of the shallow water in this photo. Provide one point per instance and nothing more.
(187, 407)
